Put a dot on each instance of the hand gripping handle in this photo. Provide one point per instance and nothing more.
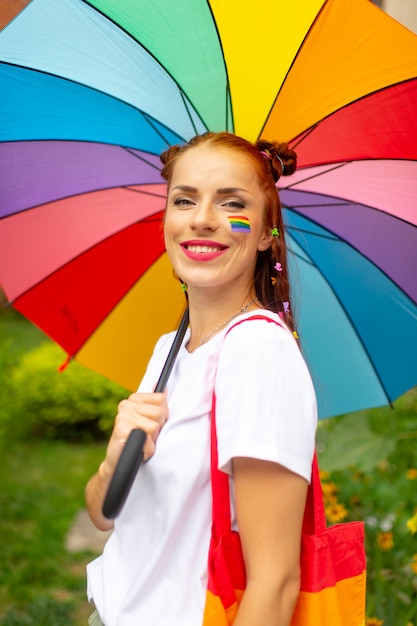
(132, 453)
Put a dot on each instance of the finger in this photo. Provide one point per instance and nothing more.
(133, 410)
(149, 398)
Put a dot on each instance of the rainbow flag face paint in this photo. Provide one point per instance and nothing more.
(239, 223)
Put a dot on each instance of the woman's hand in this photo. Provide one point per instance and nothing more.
(147, 411)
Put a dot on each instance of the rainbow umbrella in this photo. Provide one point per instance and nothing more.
(93, 91)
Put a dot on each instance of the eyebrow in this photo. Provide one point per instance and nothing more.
(228, 190)
(185, 188)
(224, 191)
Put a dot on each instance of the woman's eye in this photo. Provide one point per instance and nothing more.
(183, 202)
(235, 204)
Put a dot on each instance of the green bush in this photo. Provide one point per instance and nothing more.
(76, 404)
(9, 358)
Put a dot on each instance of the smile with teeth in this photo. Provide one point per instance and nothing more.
(203, 249)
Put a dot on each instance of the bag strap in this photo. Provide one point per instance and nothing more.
(221, 515)
(314, 521)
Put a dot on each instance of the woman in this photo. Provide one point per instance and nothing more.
(224, 235)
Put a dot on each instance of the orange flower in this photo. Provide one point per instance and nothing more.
(414, 564)
(324, 475)
(411, 474)
(330, 491)
(335, 512)
(373, 621)
(385, 541)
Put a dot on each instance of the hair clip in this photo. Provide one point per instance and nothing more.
(273, 280)
(294, 332)
(275, 232)
(278, 267)
(286, 306)
(282, 163)
(266, 154)
(184, 287)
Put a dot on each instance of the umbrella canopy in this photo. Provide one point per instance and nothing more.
(93, 91)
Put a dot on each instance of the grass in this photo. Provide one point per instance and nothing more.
(42, 489)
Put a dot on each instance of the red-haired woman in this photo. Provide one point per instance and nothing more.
(225, 238)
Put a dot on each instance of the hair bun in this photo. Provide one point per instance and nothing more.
(283, 160)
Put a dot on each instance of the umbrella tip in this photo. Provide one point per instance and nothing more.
(65, 364)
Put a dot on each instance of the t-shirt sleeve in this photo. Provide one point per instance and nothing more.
(265, 401)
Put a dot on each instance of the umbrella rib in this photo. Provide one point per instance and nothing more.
(82, 193)
(307, 258)
(115, 304)
(156, 130)
(142, 191)
(316, 175)
(300, 138)
(292, 65)
(145, 115)
(319, 235)
(187, 109)
(302, 258)
(141, 158)
(312, 206)
(150, 219)
(342, 240)
(119, 27)
(228, 99)
(227, 108)
(339, 200)
(227, 94)
(305, 133)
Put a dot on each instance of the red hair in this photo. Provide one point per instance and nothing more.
(270, 160)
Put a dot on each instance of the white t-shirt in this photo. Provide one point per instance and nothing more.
(153, 570)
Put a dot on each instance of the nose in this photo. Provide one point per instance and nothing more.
(204, 216)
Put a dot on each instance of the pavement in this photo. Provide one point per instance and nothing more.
(83, 535)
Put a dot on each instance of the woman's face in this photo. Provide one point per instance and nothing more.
(214, 224)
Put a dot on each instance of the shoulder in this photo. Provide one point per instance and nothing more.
(258, 331)
(164, 343)
(260, 348)
(265, 399)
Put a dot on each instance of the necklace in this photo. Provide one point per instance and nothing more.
(213, 332)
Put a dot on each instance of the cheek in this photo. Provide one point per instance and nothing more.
(239, 224)
(170, 224)
(168, 237)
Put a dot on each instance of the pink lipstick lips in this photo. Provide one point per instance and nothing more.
(202, 250)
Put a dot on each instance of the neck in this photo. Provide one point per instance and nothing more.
(210, 312)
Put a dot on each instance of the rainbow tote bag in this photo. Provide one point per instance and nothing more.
(333, 562)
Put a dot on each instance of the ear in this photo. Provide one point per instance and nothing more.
(264, 242)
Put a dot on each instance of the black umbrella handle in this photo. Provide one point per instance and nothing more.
(132, 453)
